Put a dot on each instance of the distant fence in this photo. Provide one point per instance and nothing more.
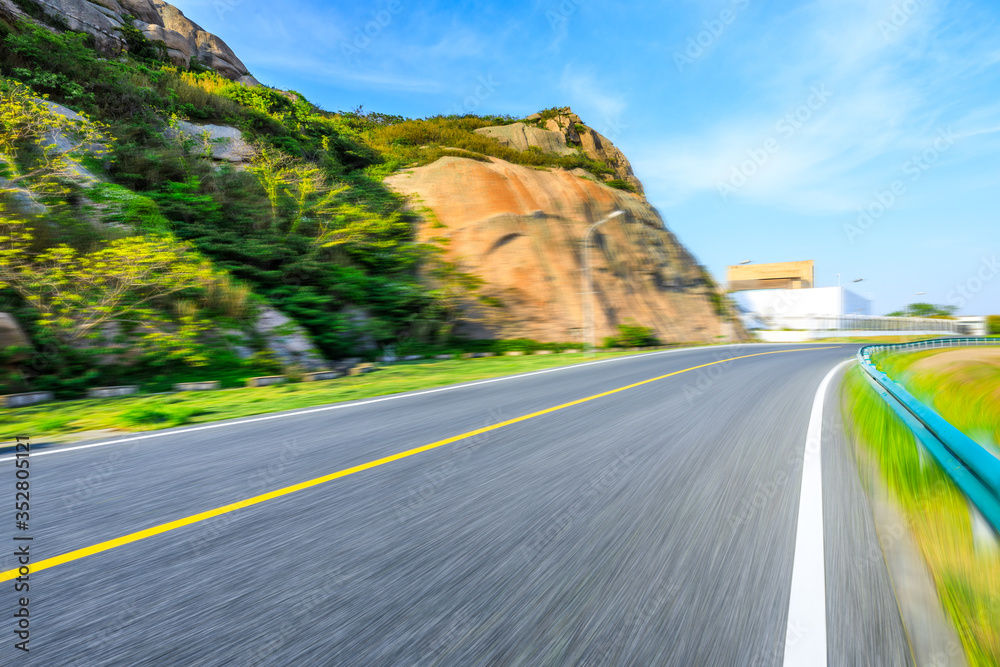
(867, 323)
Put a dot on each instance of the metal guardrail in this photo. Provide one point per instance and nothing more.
(973, 468)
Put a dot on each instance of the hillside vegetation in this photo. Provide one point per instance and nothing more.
(161, 263)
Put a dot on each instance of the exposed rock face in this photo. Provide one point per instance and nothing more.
(521, 137)
(158, 21)
(288, 341)
(223, 142)
(559, 134)
(521, 230)
(11, 334)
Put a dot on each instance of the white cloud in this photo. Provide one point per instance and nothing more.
(895, 80)
(588, 94)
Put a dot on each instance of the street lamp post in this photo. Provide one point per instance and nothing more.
(588, 290)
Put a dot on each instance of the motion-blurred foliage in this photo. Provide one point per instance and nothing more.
(307, 224)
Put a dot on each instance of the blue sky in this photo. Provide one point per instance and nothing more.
(864, 135)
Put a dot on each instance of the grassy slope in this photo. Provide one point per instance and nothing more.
(968, 583)
(268, 244)
(142, 413)
(967, 394)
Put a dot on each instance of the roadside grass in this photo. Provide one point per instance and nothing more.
(60, 421)
(965, 392)
(937, 513)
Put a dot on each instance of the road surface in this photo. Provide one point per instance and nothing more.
(655, 525)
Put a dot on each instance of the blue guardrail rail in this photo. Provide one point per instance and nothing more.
(973, 468)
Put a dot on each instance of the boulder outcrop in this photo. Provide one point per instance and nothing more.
(157, 20)
(288, 341)
(562, 134)
(521, 137)
(220, 142)
(521, 231)
(11, 333)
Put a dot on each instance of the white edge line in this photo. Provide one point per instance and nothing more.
(350, 404)
(805, 632)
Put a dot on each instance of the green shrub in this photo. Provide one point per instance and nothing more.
(159, 414)
(631, 334)
(993, 325)
(138, 45)
(121, 206)
(619, 184)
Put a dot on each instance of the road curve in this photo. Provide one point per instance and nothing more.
(650, 526)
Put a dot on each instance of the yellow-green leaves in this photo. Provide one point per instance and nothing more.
(38, 144)
(117, 296)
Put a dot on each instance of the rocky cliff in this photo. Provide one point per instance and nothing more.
(521, 229)
(159, 21)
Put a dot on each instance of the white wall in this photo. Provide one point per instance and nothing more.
(814, 302)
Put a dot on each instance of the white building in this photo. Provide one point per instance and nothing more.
(794, 308)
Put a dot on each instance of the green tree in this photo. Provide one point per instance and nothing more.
(37, 145)
(128, 290)
(925, 310)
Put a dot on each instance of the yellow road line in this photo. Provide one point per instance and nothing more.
(225, 509)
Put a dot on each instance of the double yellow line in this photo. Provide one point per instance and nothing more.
(256, 500)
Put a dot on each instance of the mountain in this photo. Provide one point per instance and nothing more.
(199, 220)
(113, 25)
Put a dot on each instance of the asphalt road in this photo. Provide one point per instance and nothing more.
(652, 526)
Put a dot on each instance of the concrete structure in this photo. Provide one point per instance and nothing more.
(266, 380)
(207, 385)
(771, 308)
(781, 275)
(21, 400)
(113, 392)
(973, 325)
(792, 315)
(321, 375)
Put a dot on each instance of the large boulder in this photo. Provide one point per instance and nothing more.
(288, 341)
(521, 231)
(521, 136)
(11, 333)
(223, 142)
(157, 20)
(562, 134)
(184, 38)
